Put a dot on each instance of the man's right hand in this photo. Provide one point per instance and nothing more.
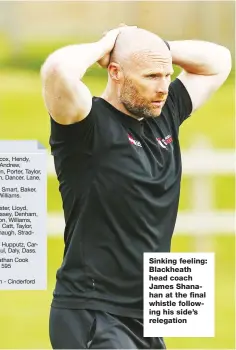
(108, 41)
(67, 98)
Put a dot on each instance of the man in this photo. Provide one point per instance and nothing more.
(117, 159)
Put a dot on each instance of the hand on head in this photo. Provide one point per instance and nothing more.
(109, 39)
(122, 42)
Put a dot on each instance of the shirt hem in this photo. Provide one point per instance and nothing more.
(97, 305)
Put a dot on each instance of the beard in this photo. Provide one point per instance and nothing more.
(134, 103)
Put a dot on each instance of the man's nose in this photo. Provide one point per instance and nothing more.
(163, 86)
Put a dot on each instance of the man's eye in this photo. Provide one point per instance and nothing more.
(154, 76)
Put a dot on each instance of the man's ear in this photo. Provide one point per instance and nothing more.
(115, 72)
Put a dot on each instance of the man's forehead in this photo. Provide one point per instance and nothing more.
(148, 57)
(158, 68)
(151, 62)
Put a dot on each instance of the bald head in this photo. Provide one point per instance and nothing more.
(139, 73)
(136, 46)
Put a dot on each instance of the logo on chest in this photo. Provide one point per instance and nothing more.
(133, 141)
(164, 142)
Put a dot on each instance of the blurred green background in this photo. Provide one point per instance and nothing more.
(25, 41)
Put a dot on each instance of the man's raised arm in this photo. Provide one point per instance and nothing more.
(67, 99)
(205, 67)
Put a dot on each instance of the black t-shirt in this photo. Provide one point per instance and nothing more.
(120, 183)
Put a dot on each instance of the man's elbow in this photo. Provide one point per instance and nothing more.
(50, 68)
(223, 65)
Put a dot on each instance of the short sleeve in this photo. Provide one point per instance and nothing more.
(69, 138)
(180, 101)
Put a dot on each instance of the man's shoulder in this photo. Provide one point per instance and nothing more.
(97, 103)
(101, 105)
(99, 110)
(178, 102)
(176, 88)
(104, 113)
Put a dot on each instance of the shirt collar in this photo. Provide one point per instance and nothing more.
(126, 120)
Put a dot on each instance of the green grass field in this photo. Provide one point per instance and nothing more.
(24, 315)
